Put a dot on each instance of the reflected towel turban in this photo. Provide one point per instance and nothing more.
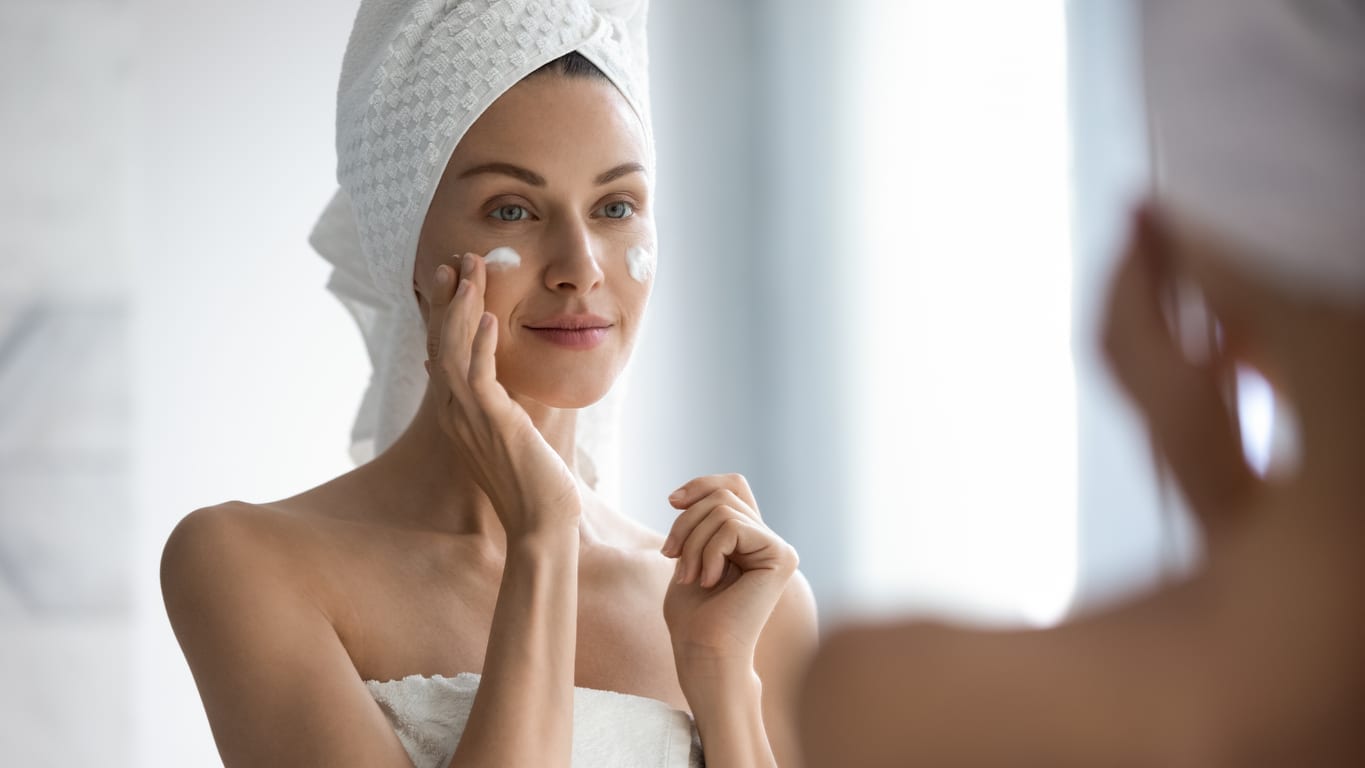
(1258, 116)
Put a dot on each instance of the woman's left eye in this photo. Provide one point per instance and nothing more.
(619, 209)
(510, 213)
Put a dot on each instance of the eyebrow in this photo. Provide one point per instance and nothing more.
(506, 169)
(624, 169)
(536, 180)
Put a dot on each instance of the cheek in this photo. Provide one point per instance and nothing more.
(634, 291)
(505, 288)
(641, 263)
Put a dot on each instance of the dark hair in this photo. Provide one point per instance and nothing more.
(572, 64)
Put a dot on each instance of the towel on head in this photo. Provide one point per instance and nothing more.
(415, 77)
(1258, 116)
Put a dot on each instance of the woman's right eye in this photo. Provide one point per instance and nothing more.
(510, 213)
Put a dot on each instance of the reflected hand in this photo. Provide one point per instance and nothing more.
(1190, 420)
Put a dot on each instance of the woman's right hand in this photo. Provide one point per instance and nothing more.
(528, 483)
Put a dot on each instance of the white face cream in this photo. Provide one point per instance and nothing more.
(502, 257)
(641, 263)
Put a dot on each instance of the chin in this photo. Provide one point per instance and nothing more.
(564, 393)
(553, 381)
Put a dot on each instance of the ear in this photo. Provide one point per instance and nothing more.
(423, 306)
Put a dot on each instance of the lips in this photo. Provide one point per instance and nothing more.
(571, 331)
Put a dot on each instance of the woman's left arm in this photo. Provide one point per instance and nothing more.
(742, 622)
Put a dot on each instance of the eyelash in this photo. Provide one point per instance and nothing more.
(494, 213)
(633, 210)
(526, 214)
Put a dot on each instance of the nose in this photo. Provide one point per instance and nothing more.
(573, 266)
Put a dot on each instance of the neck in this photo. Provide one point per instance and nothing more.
(430, 484)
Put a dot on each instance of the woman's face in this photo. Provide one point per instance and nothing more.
(556, 170)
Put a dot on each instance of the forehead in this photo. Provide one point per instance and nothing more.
(552, 121)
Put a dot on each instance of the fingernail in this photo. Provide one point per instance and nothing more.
(677, 495)
(466, 264)
(442, 275)
(486, 320)
(669, 544)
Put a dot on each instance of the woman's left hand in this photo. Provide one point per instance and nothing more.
(731, 571)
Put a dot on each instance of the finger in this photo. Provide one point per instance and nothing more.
(755, 548)
(462, 321)
(437, 303)
(697, 488)
(690, 560)
(685, 522)
(742, 546)
(717, 551)
(483, 375)
(1243, 303)
(475, 271)
(1137, 339)
(1190, 423)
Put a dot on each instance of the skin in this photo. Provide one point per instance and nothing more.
(1255, 660)
(470, 545)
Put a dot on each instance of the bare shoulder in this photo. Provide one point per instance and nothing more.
(784, 649)
(226, 567)
(263, 651)
(793, 627)
(223, 546)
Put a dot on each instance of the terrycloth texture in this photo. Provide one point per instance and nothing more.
(610, 730)
(1258, 116)
(416, 75)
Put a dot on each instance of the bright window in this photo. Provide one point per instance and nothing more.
(963, 287)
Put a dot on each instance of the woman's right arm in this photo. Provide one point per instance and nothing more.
(523, 711)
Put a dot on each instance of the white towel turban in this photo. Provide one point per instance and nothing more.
(1258, 116)
(415, 77)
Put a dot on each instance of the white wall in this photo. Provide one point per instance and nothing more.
(246, 370)
(966, 428)
(65, 614)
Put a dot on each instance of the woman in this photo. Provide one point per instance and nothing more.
(497, 172)
(1259, 107)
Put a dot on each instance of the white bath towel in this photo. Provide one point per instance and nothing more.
(610, 730)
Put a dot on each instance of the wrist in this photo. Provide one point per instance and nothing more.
(544, 541)
(728, 710)
(544, 522)
(711, 660)
(705, 677)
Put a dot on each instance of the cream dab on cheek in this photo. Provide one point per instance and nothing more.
(641, 262)
(502, 257)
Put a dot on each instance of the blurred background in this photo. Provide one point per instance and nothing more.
(885, 225)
